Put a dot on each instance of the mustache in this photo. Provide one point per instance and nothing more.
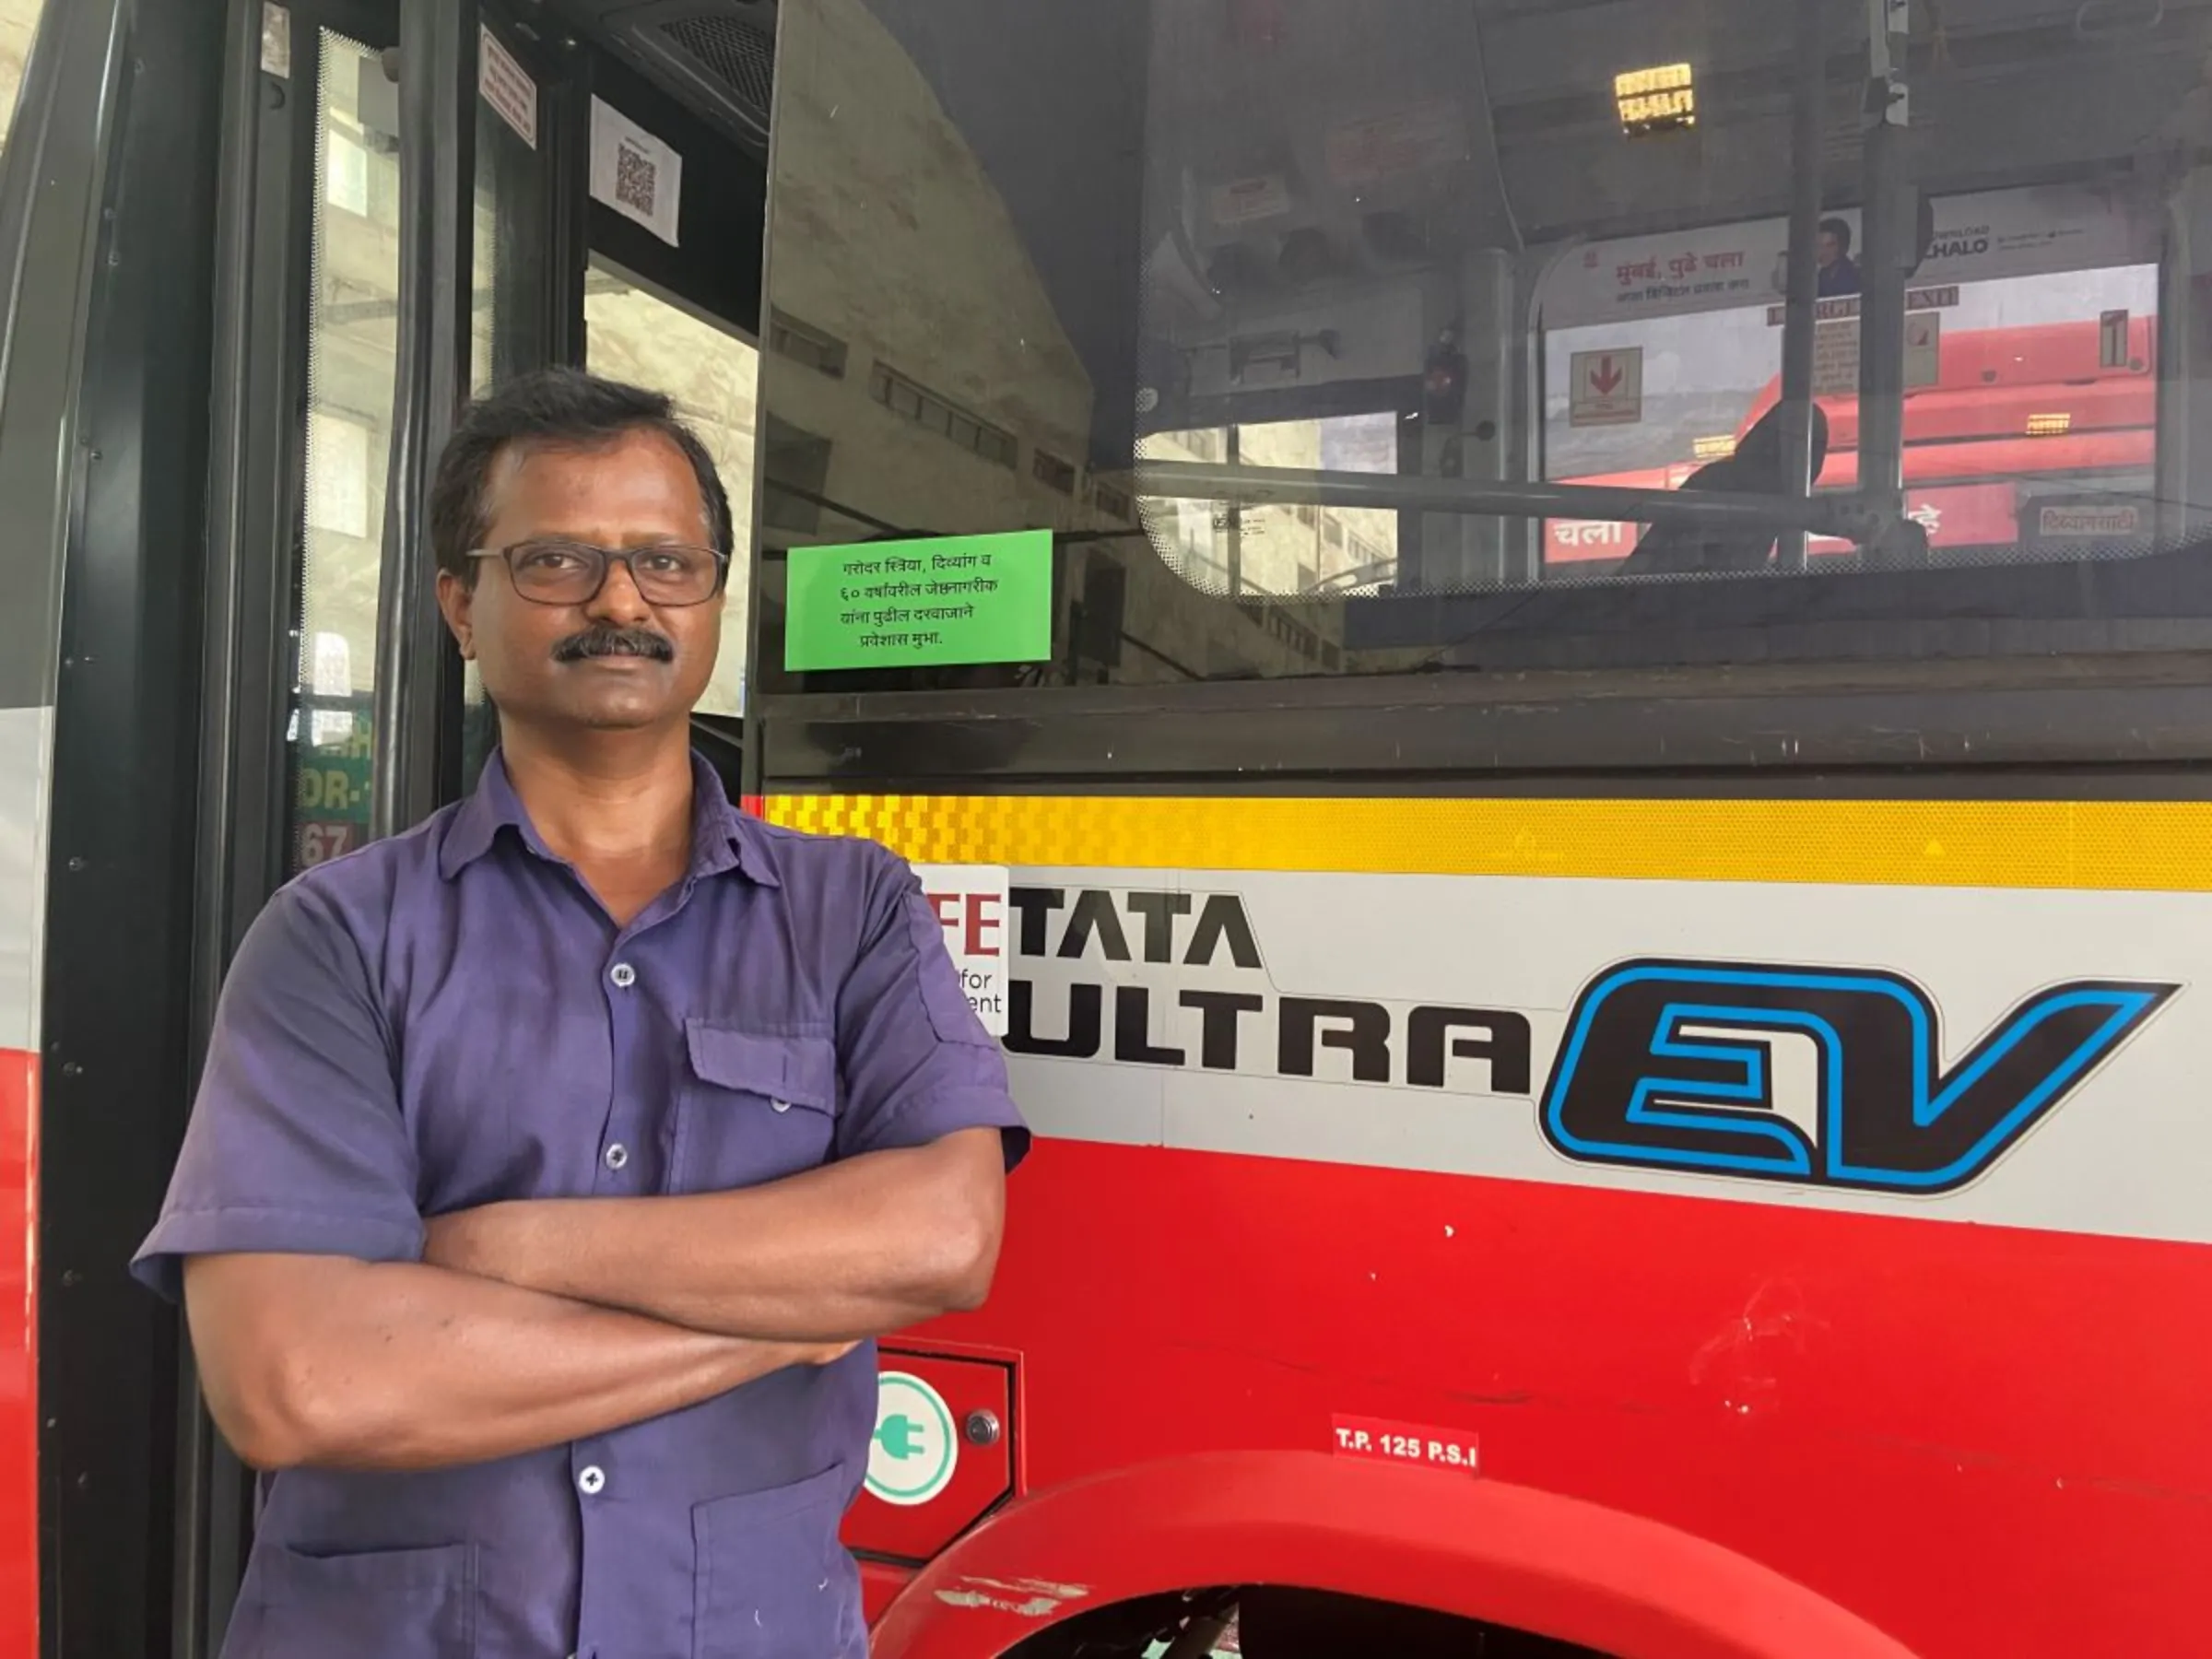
(614, 642)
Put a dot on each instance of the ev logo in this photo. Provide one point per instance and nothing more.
(913, 1452)
(1817, 1077)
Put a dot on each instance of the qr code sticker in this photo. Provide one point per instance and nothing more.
(636, 178)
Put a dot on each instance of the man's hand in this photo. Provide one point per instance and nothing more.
(851, 1250)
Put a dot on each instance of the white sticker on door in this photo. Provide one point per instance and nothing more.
(506, 86)
(635, 173)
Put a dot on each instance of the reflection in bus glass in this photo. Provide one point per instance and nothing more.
(1403, 327)
(351, 373)
(1655, 100)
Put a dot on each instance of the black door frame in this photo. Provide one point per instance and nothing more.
(259, 398)
(119, 122)
(161, 305)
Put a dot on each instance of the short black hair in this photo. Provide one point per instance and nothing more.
(553, 408)
(1839, 229)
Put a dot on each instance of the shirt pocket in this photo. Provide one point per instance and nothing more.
(772, 1581)
(421, 1603)
(753, 1108)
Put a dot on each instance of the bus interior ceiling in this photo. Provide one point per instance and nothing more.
(718, 57)
(1265, 229)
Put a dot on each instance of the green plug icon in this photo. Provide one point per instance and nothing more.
(900, 1437)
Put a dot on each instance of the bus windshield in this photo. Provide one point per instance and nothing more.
(1279, 339)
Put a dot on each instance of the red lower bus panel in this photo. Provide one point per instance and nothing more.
(1977, 1439)
(19, 1355)
(978, 1396)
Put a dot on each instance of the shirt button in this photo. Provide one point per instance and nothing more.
(780, 1105)
(624, 975)
(592, 1481)
(616, 1155)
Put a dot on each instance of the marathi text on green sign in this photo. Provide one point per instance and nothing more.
(936, 600)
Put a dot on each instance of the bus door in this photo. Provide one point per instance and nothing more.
(431, 198)
(385, 161)
(256, 253)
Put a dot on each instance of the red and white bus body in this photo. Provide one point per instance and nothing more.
(1266, 1321)
(1641, 1114)
(1658, 1116)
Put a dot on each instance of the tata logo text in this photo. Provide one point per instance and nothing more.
(1816, 1076)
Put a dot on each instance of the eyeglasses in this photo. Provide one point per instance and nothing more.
(569, 572)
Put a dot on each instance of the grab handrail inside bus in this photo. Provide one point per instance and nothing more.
(1841, 515)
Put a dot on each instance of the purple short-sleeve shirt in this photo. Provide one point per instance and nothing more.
(447, 1018)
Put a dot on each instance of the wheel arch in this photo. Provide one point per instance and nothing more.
(1484, 1549)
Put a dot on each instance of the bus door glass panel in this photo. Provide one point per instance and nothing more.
(18, 22)
(352, 338)
(635, 334)
(506, 305)
(510, 253)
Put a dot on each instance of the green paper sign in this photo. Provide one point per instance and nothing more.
(933, 600)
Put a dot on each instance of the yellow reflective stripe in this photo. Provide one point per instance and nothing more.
(2124, 844)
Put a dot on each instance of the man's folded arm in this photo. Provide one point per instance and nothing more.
(904, 1224)
(335, 1362)
(291, 1233)
(854, 1249)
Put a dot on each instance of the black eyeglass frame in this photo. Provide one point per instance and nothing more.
(608, 558)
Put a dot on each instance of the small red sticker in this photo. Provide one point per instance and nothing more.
(1384, 1441)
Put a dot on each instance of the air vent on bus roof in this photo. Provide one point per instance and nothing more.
(716, 56)
(738, 52)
